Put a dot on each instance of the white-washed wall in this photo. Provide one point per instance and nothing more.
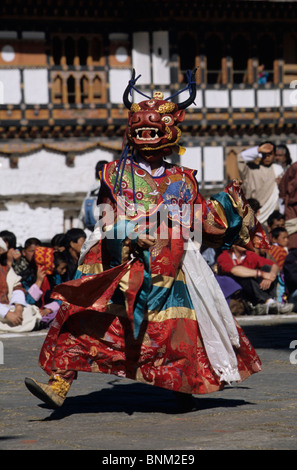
(116, 79)
(192, 158)
(160, 58)
(36, 86)
(141, 56)
(26, 222)
(46, 173)
(43, 173)
(11, 86)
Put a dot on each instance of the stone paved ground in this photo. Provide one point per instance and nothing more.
(107, 413)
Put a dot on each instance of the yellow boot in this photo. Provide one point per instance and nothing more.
(53, 393)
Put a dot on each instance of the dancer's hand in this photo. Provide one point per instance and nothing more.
(146, 241)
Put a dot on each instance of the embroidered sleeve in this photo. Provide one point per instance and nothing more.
(229, 220)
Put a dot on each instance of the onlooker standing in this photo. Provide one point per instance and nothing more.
(258, 173)
(89, 212)
(288, 192)
(283, 157)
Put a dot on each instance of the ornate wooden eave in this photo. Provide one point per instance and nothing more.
(146, 11)
(58, 121)
(14, 143)
(198, 123)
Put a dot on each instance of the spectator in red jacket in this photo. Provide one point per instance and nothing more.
(257, 276)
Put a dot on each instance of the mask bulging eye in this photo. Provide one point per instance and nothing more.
(167, 119)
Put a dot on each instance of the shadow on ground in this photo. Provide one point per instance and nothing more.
(132, 398)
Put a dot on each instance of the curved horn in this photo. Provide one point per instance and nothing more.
(192, 87)
(126, 99)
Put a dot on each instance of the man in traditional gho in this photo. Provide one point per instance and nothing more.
(259, 173)
(288, 193)
(145, 305)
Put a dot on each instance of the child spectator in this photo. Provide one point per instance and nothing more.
(279, 249)
(48, 276)
(255, 205)
(58, 242)
(290, 276)
(25, 266)
(74, 239)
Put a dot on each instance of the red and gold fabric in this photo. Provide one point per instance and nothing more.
(94, 328)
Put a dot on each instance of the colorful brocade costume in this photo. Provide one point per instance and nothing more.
(134, 316)
(144, 304)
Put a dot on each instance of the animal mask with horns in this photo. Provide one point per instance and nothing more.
(152, 124)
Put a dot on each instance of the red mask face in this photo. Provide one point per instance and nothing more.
(152, 126)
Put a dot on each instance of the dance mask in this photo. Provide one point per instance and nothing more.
(153, 124)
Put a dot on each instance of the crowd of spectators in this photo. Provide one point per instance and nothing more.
(264, 281)
(254, 282)
(28, 275)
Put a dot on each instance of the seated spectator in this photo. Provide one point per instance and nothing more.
(209, 254)
(10, 239)
(229, 286)
(74, 239)
(256, 275)
(290, 277)
(276, 219)
(15, 314)
(58, 242)
(25, 266)
(49, 275)
(279, 238)
(279, 251)
(232, 293)
(255, 205)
